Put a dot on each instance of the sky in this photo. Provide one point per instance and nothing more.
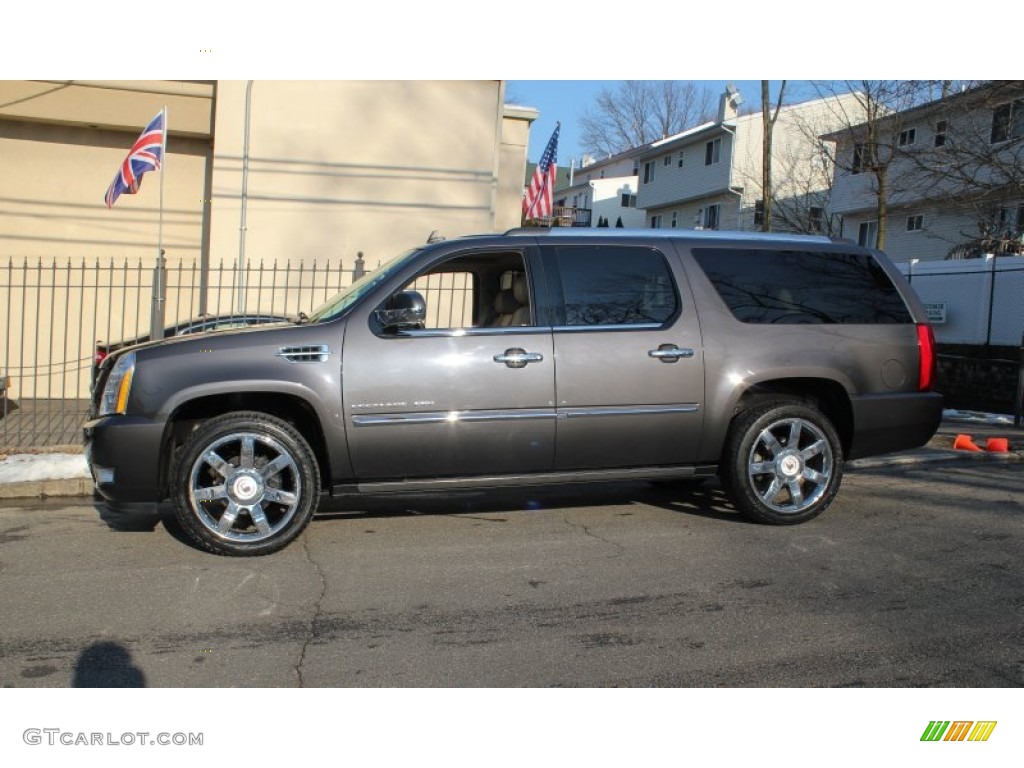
(565, 101)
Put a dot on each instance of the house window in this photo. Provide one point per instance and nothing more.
(675, 214)
(656, 221)
(1008, 121)
(628, 200)
(1011, 221)
(648, 172)
(636, 167)
(712, 152)
(816, 220)
(867, 234)
(759, 213)
(860, 156)
(680, 161)
(940, 133)
(915, 223)
(711, 216)
(668, 160)
(908, 137)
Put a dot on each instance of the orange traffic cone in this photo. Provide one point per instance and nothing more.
(998, 445)
(965, 443)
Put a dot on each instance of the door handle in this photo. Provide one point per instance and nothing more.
(518, 358)
(669, 353)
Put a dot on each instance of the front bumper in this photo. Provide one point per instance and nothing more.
(123, 453)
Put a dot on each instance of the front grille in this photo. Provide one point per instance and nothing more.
(312, 353)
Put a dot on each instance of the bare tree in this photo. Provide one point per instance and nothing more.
(804, 182)
(768, 119)
(798, 181)
(637, 112)
(871, 126)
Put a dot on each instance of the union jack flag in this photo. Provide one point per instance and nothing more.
(146, 154)
(537, 200)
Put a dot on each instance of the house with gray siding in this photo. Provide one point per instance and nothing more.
(955, 177)
(709, 177)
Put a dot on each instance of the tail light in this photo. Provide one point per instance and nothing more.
(926, 346)
(100, 356)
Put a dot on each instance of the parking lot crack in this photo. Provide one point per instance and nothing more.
(587, 532)
(314, 620)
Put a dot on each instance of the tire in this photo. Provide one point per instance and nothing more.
(771, 481)
(245, 484)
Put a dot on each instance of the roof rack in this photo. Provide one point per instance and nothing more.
(702, 234)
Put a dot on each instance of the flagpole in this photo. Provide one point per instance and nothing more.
(158, 320)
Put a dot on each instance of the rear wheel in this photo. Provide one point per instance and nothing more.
(783, 462)
(245, 484)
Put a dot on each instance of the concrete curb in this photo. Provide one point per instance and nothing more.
(929, 456)
(43, 489)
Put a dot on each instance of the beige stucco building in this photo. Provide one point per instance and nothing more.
(334, 167)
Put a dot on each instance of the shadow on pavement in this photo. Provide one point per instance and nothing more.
(107, 665)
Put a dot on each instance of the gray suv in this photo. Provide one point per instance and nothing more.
(533, 357)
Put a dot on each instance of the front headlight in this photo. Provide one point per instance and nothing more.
(119, 384)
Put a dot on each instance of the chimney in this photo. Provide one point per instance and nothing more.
(729, 103)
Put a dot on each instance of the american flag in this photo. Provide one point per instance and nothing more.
(537, 200)
(145, 155)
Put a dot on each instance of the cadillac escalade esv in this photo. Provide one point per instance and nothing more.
(534, 357)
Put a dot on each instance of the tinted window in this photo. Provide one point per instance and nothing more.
(787, 287)
(608, 285)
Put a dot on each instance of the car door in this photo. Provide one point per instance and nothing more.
(469, 393)
(630, 367)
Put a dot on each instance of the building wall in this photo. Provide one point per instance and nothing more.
(337, 167)
(942, 228)
(515, 140)
(62, 143)
(689, 215)
(609, 168)
(672, 184)
(607, 197)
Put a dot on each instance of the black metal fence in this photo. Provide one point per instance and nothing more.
(55, 312)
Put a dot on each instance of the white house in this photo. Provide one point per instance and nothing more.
(955, 172)
(709, 177)
(606, 188)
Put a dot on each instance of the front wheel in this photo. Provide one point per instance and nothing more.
(245, 484)
(783, 463)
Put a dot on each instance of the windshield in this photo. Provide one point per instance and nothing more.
(337, 305)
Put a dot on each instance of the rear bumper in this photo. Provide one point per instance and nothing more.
(898, 422)
(123, 453)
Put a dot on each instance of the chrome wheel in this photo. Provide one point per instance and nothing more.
(782, 462)
(245, 487)
(790, 465)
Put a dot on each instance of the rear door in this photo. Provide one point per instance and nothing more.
(630, 367)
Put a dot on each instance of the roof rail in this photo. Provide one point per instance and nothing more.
(702, 234)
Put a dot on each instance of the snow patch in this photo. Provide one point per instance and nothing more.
(976, 417)
(47, 466)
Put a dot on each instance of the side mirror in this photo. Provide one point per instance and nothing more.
(403, 310)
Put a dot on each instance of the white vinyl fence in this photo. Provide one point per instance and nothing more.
(974, 301)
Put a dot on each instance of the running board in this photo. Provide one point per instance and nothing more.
(511, 481)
